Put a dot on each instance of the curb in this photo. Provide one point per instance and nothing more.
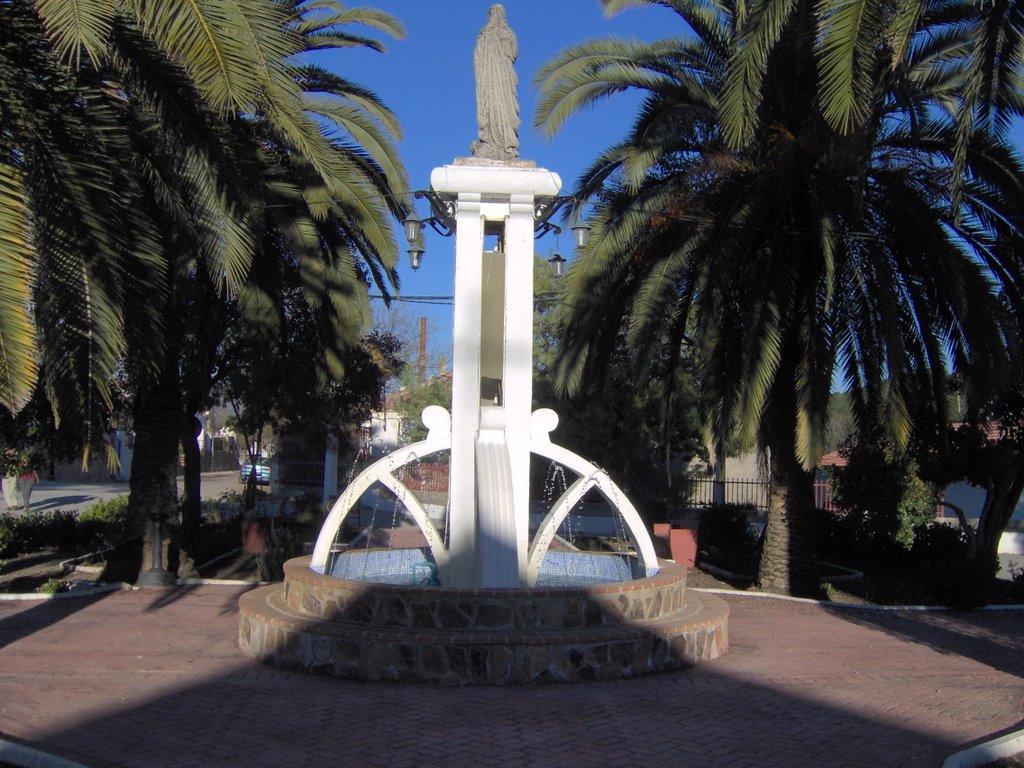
(116, 587)
(27, 757)
(99, 589)
(849, 574)
(223, 583)
(981, 754)
(857, 606)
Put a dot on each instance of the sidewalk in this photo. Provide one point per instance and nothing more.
(153, 678)
(53, 495)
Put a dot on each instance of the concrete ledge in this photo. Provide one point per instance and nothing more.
(495, 179)
(99, 589)
(981, 754)
(27, 757)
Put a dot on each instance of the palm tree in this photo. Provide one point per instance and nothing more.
(319, 220)
(792, 250)
(156, 162)
(68, 196)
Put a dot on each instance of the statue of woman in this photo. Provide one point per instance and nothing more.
(497, 109)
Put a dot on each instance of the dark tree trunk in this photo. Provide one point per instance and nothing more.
(153, 487)
(789, 560)
(1000, 502)
(191, 504)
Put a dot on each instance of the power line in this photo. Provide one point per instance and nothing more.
(434, 300)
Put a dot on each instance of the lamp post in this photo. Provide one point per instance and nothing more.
(157, 575)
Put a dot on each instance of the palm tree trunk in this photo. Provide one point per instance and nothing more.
(789, 560)
(191, 504)
(153, 490)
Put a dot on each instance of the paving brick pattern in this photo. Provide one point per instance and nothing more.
(153, 678)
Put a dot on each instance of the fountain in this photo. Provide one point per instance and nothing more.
(487, 599)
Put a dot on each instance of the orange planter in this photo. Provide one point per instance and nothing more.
(682, 544)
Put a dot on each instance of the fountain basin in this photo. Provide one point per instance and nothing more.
(413, 566)
(367, 631)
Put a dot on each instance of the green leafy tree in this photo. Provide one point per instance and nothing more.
(881, 489)
(986, 449)
(645, 434)
(413, 398)
(787, 247)
(278, 385)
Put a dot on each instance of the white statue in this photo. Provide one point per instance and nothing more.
(497, 109)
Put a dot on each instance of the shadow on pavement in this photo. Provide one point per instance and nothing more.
(166, 597)
(57, 502)
(192, 700)
(36, 616)
(993, 638)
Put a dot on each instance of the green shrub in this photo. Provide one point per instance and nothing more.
(842, 535)
(879, 491)
(726, 526)
(8, 537)
(41, 530)
(52, 586)
(282, 545)
(105, 523)
(102, 525)
(228, 506)
(725, 539)
(952, 579)
(939, 544)
(307, 509)
(1017, 583)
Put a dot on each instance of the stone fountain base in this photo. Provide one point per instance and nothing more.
(359, 630)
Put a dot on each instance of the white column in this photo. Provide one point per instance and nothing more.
(519, 359)
(501, 193)
(469, 245)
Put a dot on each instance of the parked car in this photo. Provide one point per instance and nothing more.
(262, 473)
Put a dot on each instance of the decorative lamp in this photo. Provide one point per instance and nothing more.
(413, 225)
(415, 257)
(581, 234)
(557, 265)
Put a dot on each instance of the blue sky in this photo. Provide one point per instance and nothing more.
(427, 79)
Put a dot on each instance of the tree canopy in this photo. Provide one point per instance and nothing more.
(794, 221)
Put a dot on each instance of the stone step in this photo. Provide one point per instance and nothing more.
(608, 604)
(272, 631)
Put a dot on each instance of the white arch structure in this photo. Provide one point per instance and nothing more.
(439, 439)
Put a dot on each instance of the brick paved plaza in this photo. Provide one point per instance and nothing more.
(153, 678)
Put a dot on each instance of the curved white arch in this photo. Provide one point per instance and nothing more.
(382, 471)
(439, 439)
(543, 421)
(549, 525)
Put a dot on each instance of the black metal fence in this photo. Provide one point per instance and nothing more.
(700, 493)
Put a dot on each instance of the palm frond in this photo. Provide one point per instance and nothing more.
(234, 49)
(848, 33)
(581, 76)
(741, 93)
(78, 26)
(18, 364)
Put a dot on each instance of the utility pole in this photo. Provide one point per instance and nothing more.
(422, 361)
